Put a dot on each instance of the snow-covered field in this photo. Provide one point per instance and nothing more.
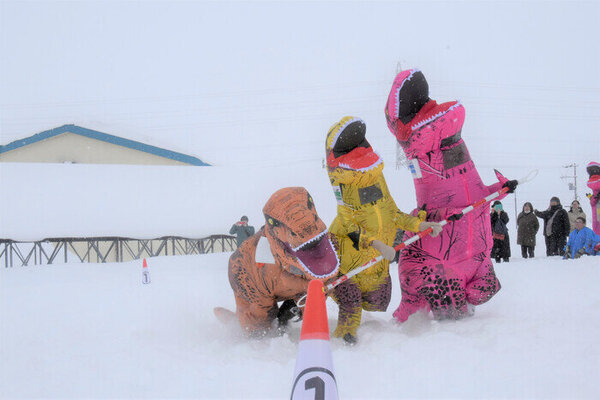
(95, 331)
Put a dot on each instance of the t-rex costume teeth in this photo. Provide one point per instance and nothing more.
(446, 272)
(300, 249)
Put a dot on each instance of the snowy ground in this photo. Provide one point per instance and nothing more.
(95, 331)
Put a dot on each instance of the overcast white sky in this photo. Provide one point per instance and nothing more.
(260, 82)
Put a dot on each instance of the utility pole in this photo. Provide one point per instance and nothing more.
(572, 185)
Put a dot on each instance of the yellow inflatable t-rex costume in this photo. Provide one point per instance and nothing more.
(366, 223)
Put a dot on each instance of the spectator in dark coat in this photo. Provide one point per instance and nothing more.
(556, 227)
(501, 247)
(242, 230)
(527, 228)
(575, 212)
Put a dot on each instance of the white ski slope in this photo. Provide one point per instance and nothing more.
(95, 331)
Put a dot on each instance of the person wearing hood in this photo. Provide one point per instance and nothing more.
(527, 228)
(556, 227)
(582, 241)
(575, 212)
(501, 243)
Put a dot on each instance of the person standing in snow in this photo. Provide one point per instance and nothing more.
(501, 246)
(575, 212)
(241, 230)
(556, 227)
(527, 228)
(582, 241)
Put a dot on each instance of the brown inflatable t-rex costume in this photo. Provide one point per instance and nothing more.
(277, 263)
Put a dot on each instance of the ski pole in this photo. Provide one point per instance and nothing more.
(420, 235)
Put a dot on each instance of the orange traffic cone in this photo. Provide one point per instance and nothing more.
(145, 273)
(314, 377)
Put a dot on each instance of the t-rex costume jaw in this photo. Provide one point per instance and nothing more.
(446, 272)
(277, 262)
(366, 211)
(593, 170)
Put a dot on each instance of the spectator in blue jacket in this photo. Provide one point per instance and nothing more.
(581, 241)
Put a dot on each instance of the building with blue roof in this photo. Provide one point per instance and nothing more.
(75, 144)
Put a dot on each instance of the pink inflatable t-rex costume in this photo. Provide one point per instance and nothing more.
(593, 170)
(446, 272)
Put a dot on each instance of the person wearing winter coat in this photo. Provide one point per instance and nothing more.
(527, 228)
(241, 230)
(582, 241)
(556, 227)
(501, 246)
(575, 212)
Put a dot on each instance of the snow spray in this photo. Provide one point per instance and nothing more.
(313, 377)
(145, 273)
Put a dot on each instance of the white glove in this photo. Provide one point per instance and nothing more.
(436, 228)
(388, 252)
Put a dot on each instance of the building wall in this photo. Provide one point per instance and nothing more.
(72, 148)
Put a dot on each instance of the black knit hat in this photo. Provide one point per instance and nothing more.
(244, 218)
(556, 199)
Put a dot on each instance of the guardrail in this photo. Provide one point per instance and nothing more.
(107, 249)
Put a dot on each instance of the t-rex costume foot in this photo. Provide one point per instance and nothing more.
(277, 263)
(449, 271)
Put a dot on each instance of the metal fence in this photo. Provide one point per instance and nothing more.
(107, 249)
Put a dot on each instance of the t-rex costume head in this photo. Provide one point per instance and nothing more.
(298, 238)
(346, 146)
(593, 170)
(421, 124)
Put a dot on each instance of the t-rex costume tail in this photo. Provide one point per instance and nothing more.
(365, 212)
(277, 263)
(453, 269)
(593, 170)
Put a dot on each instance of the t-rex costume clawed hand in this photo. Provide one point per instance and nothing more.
(277, 263)
(449, 271)
(365, 212)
